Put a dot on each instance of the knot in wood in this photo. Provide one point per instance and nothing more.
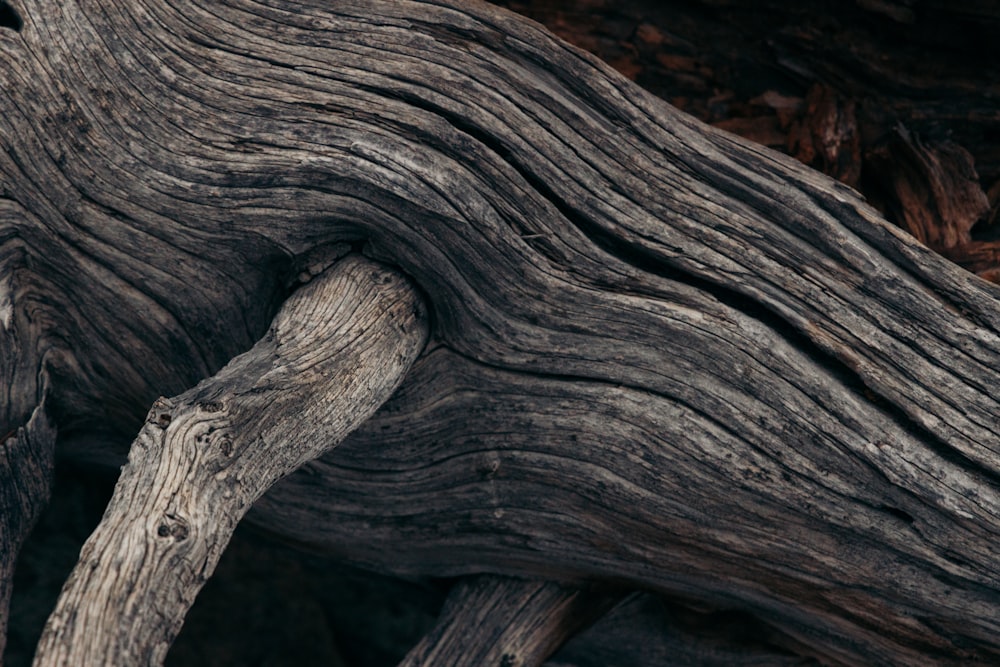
(216, 437)
(173, 527)
(380, 277)
(211, 406)
(489, 469)
(160, 414)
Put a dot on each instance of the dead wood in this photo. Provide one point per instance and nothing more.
(660, 355)
(896, 99)
(490, 620)
(336, 350)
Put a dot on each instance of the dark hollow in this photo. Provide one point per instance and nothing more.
(9, 18)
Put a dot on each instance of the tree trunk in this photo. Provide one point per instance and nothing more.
(659, 355)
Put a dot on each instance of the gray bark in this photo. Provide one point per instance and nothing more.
(660, 356)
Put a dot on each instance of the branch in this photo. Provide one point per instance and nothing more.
(662, 356)
(490, 620)
(336, 350)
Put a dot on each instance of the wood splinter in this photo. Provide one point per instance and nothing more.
(336, 350)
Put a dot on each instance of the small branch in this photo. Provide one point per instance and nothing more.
(492, 620)
(334, 353)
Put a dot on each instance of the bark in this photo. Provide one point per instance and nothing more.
(660, 355)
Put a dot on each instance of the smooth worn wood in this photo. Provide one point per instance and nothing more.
(336, 350)
(490, 620)
(660, 356)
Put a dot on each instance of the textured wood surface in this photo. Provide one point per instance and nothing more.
(660, 355)
(26, 471)
(897, 100)
(490, 620)
(336, 350)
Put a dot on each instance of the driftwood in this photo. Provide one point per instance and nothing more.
(659, 356)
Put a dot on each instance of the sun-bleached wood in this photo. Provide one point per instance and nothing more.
(337, 349)
(660, 356)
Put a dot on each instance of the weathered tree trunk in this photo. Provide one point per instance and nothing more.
(897, 99)
(660, 356)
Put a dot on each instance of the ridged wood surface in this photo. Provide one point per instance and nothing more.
(660, 355)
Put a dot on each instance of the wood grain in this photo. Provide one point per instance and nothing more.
(660, 355)
(337, 348)
(490, 620)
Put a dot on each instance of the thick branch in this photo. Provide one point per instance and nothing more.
(336, 350)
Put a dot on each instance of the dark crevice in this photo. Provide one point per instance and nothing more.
(951, 557)
(896, 512)
(9, 17)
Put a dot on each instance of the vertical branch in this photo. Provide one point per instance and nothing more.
(335, 352)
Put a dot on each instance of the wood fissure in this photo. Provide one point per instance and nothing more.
(660, 355)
